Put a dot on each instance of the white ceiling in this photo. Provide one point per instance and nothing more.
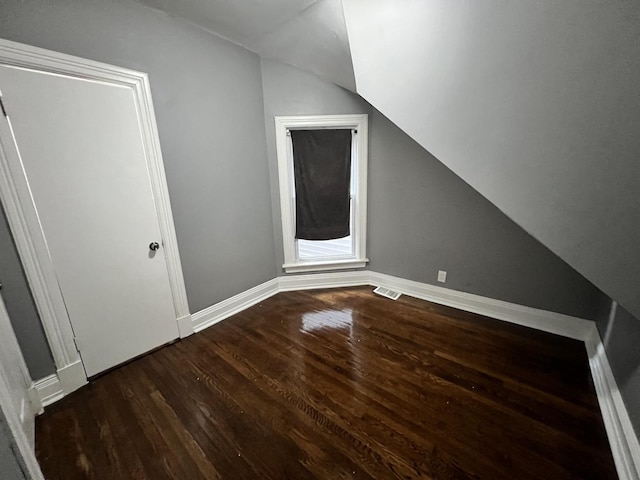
(241, 21)
(315, 41)
(308, 34)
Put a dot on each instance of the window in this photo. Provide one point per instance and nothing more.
(315, 255)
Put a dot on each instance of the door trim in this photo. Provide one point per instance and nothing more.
(22, 442)
(23, 218)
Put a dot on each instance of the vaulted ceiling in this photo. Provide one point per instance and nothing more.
(534, 104)
(308, 34)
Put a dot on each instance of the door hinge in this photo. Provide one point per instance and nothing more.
(75, 340)
(4, 110)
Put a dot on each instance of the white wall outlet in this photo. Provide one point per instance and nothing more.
(442, 276)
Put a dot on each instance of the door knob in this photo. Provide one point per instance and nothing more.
(154, 246)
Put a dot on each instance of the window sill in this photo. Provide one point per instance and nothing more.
(317, 266)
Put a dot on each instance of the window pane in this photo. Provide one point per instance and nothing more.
(308, 249)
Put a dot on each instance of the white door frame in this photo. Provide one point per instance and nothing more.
(23, 445)
(23, 217)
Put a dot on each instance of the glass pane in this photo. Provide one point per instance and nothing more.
(308, 249)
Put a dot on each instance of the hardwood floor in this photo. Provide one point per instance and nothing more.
(338, 384)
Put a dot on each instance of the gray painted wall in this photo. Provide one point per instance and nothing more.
(533, 103)
(208, 99)
(422, 217)
(22, 311)
(620, 333)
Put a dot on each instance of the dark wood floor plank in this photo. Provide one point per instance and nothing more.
(242, 432)
(346, 402)
(338, 384)
(280, 399)
(380, 407)
(150, 439)
(389, 421)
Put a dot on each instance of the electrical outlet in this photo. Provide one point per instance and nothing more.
(442, 276)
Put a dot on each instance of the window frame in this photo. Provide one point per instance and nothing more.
(359, 122)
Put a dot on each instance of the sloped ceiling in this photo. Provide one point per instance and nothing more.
(534, 104)
(308, 34)
(243, 22)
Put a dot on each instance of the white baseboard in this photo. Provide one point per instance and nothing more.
(323, 280)
(544, 320)
(225, 309)
(185, 326)
(49, 389)
(622, 438)
(52, 388)
(215, 313)
(34, 399)
(72, 377)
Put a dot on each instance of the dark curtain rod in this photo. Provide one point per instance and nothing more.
(353, 130)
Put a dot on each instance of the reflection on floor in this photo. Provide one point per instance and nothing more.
(338, 384)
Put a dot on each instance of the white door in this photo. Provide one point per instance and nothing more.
(83, 156)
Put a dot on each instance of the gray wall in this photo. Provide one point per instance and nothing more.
(22, 311)
(533, 103)
(208, 99)
(620, 333)
(422, 217)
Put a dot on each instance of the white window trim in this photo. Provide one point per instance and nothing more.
(292, 264)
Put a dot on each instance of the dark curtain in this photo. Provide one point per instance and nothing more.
(322, 169)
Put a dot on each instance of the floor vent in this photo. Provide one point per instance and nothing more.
(385, 292)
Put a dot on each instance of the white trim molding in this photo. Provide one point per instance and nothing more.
(72, 377)
(557, 323)
(37, 407)
(622, 438)
(359, 160)
(18, 406)
(236, 304)
(149, 129)
(552, 322)
(52, 388)
(25, 227)
(321, 266)
(23, 450)
(315, 281)
(23, 218)
(215, 313)
(185, 326)
(49, 390)
(546, 321)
